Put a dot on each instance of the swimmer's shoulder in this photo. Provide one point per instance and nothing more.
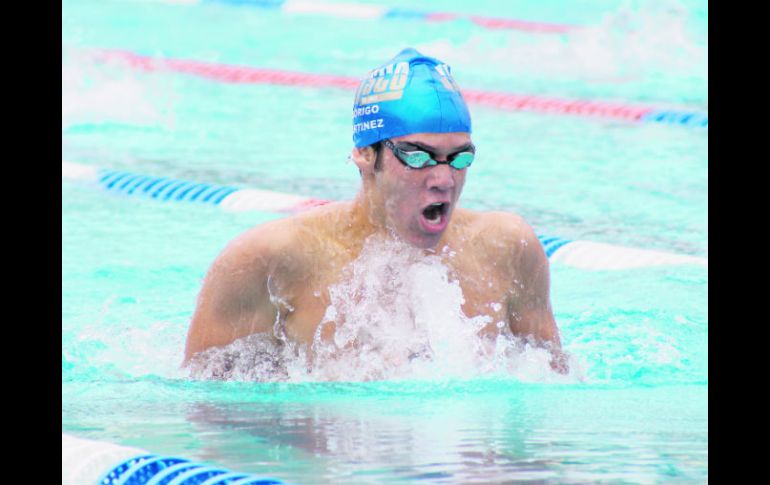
(263, 240)
(260, 249)
(497, 224)
(285, 243)
(502, 234)
(323, 214)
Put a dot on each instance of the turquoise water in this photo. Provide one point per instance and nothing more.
(636, 408)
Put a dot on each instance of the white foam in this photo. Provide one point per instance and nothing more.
(131, 350)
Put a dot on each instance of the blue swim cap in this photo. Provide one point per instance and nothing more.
(411, 93)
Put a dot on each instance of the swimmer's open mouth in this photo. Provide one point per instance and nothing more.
(435, 212)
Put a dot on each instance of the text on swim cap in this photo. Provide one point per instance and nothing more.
(383, 84)
(366, 110)
(446, 78)
(368, 125)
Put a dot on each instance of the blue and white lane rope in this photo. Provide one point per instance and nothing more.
(579, 254)
(673, 117)
(89, 462)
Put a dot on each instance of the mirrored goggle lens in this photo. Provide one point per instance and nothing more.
(420, 159)
(462, 160)
(417, 159)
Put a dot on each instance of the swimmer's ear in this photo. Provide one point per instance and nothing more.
(364, 159)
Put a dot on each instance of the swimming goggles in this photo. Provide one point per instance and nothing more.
(421, 158)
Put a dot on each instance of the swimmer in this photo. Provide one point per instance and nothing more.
(413, 150)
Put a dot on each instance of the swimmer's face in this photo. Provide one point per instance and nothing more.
(419, 203)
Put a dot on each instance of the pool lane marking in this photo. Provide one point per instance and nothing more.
(378, 12)
(86, 461)
(579, 254)
(498, 100)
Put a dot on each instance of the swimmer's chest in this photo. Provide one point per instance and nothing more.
(485, 292)
(485, 288)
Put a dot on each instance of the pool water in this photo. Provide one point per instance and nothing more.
(634, 409)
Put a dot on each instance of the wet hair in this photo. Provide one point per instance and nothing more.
(377, 147)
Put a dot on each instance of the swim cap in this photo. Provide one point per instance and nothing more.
(411, 93)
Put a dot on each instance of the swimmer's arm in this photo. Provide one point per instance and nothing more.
(530, 313)
(234, 301)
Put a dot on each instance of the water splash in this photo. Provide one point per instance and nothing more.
(644, 51)
(125, 350)
(110, 93)
(396, 313)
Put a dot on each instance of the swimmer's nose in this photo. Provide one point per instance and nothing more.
(441, 177)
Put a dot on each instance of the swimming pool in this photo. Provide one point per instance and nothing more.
(635, 408)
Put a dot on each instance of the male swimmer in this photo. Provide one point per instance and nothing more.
(411, 131)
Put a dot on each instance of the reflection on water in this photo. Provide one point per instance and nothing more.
(375, 442)
(457, 436)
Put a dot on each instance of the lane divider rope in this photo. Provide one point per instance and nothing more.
(91, 462)
(498, 100)
(579, 254)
